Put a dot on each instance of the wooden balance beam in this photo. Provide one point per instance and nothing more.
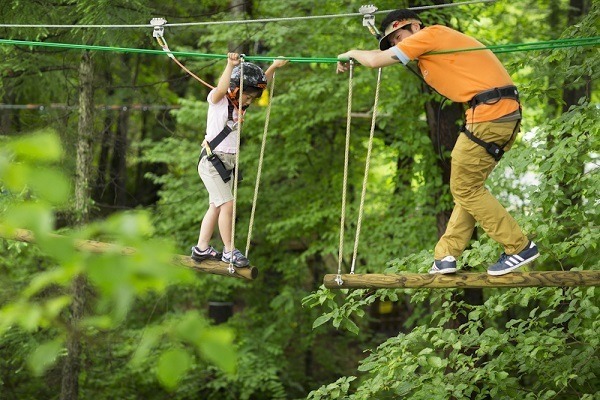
(92, 246)
(464, 280)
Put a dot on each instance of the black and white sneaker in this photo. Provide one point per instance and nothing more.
(201, 255)
(507, 262)
(446, 265)
(237, 259)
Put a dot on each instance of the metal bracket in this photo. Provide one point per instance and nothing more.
(338, 280)
(369, 19)
(158, 24)
(231, 269)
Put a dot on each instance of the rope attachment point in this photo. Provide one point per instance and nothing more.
(368, 12)
(158, 24)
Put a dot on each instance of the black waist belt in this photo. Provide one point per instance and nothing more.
(492, 96)
(496, 94)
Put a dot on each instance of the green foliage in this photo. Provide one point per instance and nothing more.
(118, 281)
(146, 335)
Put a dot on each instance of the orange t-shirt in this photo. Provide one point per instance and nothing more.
(459, 76)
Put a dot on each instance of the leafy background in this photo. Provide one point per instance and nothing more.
(146, 330)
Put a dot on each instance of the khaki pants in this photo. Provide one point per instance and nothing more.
(219, 192)
(471, 165)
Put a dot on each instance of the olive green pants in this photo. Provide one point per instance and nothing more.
(473, 202)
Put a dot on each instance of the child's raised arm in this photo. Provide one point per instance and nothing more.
(233, 59)
(276, 64)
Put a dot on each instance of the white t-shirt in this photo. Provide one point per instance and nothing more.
(215, 122)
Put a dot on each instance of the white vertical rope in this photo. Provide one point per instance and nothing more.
(237, 161)
(345, 180)
(260, 162)
(365, 177)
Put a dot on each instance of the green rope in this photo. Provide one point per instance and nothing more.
(542, 45)
(159, 52)
(503, 48)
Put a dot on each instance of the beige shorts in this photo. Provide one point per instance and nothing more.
(219, 192)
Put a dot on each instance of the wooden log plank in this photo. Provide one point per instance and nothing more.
(465, 280)
(209, 266)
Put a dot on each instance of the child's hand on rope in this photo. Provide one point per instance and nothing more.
(279, 62)
(233, 59)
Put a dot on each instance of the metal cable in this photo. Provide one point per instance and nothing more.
(246, 21)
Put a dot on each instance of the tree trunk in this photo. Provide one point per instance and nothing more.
(6, 115)
(71, 366)
(239, 8)
(103, 160)
(443, 133)
(118, 170)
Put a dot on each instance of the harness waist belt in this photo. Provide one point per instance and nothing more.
(224, 173)
(496, 94)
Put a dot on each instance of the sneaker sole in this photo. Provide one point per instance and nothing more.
(443, 271)
(507, 270)
(206, 257)
(236, 265)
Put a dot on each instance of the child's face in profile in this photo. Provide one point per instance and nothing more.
(248, 98)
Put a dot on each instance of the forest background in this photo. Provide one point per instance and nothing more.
(107, 150)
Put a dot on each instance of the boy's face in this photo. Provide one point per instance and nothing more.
(400, 35)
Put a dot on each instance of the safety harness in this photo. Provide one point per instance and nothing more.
(207, 150)
(488, 97)
(158, 33)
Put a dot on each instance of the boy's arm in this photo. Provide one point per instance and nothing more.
(271, 70)
(222, 87)
(369, 58)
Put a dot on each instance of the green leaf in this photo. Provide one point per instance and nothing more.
(50, 185)
(44, 356)
(216, 345)
(172, 365)
(42, 146)
(435, 361)
(321, 320)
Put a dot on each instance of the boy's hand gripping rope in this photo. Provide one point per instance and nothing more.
(158, 33)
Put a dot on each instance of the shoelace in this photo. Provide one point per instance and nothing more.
(503, 257)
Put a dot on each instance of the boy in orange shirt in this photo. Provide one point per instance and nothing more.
(492, 122)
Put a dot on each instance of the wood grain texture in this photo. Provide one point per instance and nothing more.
(465, 280)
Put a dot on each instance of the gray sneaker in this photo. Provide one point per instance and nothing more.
(201, 255)
(507, 262)
(446, 265)
(238, 259)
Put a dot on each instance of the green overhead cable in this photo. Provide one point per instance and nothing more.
(506, 48)
(549, 44)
